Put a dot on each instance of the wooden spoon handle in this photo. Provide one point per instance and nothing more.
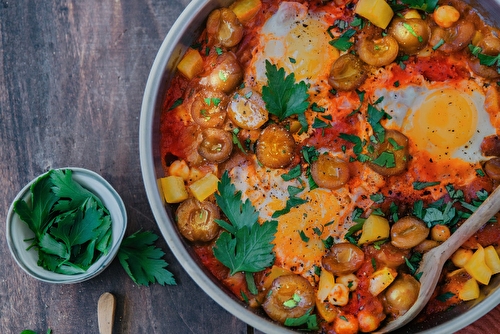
(488, 209)
(106, 313)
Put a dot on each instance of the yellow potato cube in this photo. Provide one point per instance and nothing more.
(492, 259)
(191, 64)
(204, 187)
(469, 291)
(477, 268)
(326, 283)
(245, 10)
(174, 189)
(381, 279)
(377, 12)
(375, 228)
(273, 274)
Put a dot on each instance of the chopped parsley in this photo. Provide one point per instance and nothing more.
(176, 103)
(422, 185)
(342, 43)
(284, 97)
(445, 296)
(438, 45)
(246, 244)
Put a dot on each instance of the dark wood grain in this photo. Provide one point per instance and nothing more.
(72, 74)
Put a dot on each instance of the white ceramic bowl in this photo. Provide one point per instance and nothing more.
(18, 230)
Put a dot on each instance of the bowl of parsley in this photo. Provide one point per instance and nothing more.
(66, 225)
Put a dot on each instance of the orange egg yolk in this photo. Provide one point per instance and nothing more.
(445, 121)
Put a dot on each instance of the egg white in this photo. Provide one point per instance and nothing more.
(402, 104)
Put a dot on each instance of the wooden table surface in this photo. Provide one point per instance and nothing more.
(72, 75)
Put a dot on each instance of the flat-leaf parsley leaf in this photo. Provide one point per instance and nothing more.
(284, 97)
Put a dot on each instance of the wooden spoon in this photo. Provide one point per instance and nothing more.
(433, 260)
(106, 313)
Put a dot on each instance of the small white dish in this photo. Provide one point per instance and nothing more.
(18, 230)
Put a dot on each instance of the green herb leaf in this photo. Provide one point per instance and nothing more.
(303, 236)
(142, 261)
(342, 43)
(284, 97)
(247, 247)
(249, 250)
(445, 296)
(292, 174)
(385, 159)
(422, 185)
(239, 213)
(307, 318)
(377, 198)
(176, 103)
(438, 45)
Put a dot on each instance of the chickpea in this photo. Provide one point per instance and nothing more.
(348, 73)
(368, 322)
(379, 52)
(179, 168)
(445, 16)
(216, 145)
(346, 323)
(408, 232)
(196, 220)
(291, 296)
(440, 233)
(344, 258)
(461, 257)
(330, 172)
(275, 147)
(225, 26)
(412, 14)
(350, 281)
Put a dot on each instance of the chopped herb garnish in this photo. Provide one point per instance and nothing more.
(284, 97)
(223, 76)
(480, 172)
(246, 244)
(292, 174)
(342, 43)
(438, 45)
(445, 296)
(385, 159)
(328, 242)
(218, 50)
(176, 103)
(423, 185)
(292, 60)
(377, 198)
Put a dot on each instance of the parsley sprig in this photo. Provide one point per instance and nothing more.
(282, 95)
(71, 225)
(246, 246)
(142, 261)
